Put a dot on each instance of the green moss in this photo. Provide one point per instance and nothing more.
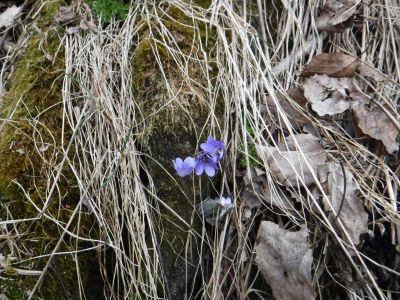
(34, 105)
(30, 141)
(48, 11)
(13, 289)
(188, 112)
(150, 55)
(201, 3)
(172, 126)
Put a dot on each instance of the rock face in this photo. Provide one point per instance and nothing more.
(175, 111)
(176, 114)
(30, 140)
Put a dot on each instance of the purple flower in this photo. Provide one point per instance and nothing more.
(205, 162)
(213, 147)
(184, 168)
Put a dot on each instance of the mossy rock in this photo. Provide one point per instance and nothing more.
(30, 144)
(173, 127)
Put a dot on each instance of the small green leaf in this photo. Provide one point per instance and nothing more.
(251, 158)
(107, 9)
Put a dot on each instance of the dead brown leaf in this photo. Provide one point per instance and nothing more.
(352, 214)
(288, 104)
(285, 164)
(332, 64)
(308, 143)
(368, 71)
(373, 121)
(284, 258)
(336, 16)
(340, 65)
(327, 95)
(65, 15)
(259, 190)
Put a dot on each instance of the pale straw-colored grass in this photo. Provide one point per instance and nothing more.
(100, 108)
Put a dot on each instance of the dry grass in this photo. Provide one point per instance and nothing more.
(101, 109)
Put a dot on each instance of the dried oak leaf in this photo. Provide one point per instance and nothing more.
(352, 215)
(336, 16)
(340, 65)
(373, 121)
(327, 95)
(260, 190)
(332, 64)
(285, 164)
(307, 143)
(284, 258)
(368, 71)
(288, 105)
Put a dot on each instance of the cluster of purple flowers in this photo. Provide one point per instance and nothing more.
(206, 161)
